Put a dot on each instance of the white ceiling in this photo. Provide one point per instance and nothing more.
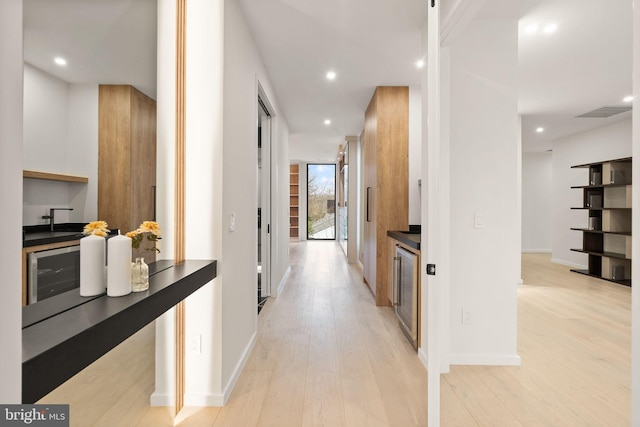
(584, 65)
(104, 41)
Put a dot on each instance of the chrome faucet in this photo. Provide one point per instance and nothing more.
(51, 216)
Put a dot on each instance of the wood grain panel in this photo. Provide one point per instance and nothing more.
(392, 176)
(180, 193)
(369, 178)
(386, 180)
(114, 155)
(143, 163)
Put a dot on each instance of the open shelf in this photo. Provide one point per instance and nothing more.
(586, 273)
(606, 238)
(54, 176)
(294, 199)
(606, 254)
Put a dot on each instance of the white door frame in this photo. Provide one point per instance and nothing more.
(266, 187)
(436, 194)
(433, 285)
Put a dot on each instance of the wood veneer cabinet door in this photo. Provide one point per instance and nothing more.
(369, 156)
(126, 158)
(386, 180)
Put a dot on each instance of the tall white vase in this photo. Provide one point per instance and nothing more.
(119, 266)
(92, 263)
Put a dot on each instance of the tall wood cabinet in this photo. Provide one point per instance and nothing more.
(126, 158)
(385, 144)
(606, 235)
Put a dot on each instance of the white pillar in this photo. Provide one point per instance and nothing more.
(431, 227)
(11, 65)
(163, 394)
(204, 74)
(635, 291)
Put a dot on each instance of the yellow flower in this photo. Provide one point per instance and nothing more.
(138, 236)
(150, 227)
(98, 228)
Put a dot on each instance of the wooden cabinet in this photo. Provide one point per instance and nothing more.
(385, 145)
(126, 158)
(294, 200)
(606, 235)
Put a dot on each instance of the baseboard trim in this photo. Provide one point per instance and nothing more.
(422, 355)
(160, 399)
(193, 399)
(568, 264)
(536, 251)
(485, 359)
(283, 281)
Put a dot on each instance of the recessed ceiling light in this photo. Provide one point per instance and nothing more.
(420, 63)
(550, 28)
(540, 129)
(628, 98)
(60, 61)
(327, 122)
(331, 75)
(531, 28)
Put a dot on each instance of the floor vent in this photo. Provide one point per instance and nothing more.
(604, 112)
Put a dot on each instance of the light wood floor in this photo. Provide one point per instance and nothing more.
(327, 356)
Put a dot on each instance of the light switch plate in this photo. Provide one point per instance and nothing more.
(478, 220)
(232, 221)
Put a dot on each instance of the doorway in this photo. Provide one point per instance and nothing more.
(321, 201)
(264, 201)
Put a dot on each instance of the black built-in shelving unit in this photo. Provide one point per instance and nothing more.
(606, 238)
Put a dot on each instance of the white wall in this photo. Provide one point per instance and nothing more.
(537, 194)
(60, 136)
(415, 153)
(604, 143)
(11, 199)
(225, 313)
(243, 71)
(484, 178)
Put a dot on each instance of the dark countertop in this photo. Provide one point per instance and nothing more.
(409, 238)
(58, 346)
(47, 237)
(36, 235)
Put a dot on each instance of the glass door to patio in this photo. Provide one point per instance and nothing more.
(321, 201)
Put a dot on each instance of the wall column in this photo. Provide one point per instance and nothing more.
(11, 72)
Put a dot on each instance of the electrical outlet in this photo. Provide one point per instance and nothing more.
(466, 317)
(195, 343)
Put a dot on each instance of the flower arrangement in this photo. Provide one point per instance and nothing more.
(96, 228)
(148, 231)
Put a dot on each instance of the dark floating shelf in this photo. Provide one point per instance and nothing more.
(620, 282)
(586, 230)
(56, 347)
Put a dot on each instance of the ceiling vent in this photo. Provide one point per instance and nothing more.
(604, 112)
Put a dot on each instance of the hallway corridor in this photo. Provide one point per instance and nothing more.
(326, 356)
